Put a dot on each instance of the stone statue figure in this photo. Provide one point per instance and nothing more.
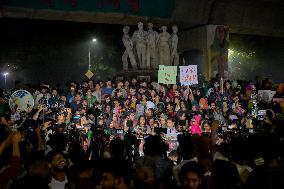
(127, 42)
(164, 47)
(139, 40)
(174, 45)
(151, 52)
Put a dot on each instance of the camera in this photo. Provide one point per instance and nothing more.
(261, 114)
(119, 131)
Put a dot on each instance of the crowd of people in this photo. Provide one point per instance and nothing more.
(144, 135)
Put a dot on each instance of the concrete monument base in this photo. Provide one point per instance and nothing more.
(148, 75)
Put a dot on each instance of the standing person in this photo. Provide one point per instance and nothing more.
(171, 135)
(155, 148)
(71, 93)
(141, 127)
(59, 167)
(206, 128)
(108, 89)
(76, 104)
(116, 174)
(98, 93)
(144, 173)
(151, 127)
(91, 85)
(119, 87)
(38, 176)
(191, 175)
(195, 127)
(90, 99)
(126, 85)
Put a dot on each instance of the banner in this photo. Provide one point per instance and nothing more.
(167, 74)
(149, 8)
(218, 47)
(188, 75)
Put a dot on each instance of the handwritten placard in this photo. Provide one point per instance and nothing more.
(188, 75)
(167, 74)
(161, 73)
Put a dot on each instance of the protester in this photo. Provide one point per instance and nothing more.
(173, 136)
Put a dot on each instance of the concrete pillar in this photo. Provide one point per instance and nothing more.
(203, 39)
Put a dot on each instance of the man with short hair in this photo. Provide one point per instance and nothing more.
(76, 104)
(191, 175)
(171, 135)
(108, 89)
(116, 174)
(59, 167)
(144, 173)
(120, 88)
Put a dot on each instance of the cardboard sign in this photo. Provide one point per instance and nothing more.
(188, 75)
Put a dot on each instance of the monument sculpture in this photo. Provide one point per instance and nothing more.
(151, 52)
(146, 50)
(174, 45)
(164, 47)
(128, 44)
(139, 39)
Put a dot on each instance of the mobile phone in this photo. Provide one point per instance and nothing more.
(77, 117)
(261, 114)
(119, 131)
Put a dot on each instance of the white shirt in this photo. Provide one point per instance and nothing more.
(55, 184)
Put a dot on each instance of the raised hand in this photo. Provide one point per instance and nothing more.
(16, 137)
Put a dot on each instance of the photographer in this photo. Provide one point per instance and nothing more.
(54, 99)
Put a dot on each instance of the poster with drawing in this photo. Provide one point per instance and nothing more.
(188, 75)
(161, 73)
(167, 74)
(170, 74)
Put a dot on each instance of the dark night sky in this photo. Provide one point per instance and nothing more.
(45, 51)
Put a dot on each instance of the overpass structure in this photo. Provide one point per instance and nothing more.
(195, 18)
(255, 17)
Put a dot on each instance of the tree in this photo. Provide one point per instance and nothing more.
(105, 63)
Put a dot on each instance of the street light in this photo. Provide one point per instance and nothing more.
(5, 77)
(94, 40)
